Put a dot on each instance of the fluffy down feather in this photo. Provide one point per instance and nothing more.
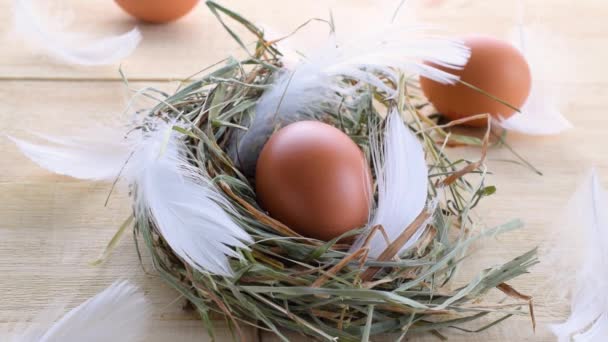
(315, 86)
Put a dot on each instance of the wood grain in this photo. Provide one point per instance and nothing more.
(52, 227)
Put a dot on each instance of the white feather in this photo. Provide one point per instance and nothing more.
(189, 212)
(402, 177)
(120, 313)
(582, 251)
(92, 154)
(69, 47)
(540, 114)
(316, 86)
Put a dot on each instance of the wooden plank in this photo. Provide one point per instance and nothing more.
(180, 49)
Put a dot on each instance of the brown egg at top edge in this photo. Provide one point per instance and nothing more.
(497, 68)
(157, 11)
(312, 177)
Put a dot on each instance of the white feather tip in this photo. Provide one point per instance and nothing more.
(45, 32)
(402, 178)
(586, 222)
(95, 154)
(315, 86)
(119, 313)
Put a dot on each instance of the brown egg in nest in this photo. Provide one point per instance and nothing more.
(497, 68)
(157, 11)
(312, 177)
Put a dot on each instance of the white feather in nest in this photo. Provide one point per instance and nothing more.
(43, 31)
(580, 254)
(120, 313)
(316, 86)
(402, 178)
(189, 212)
(540, 114)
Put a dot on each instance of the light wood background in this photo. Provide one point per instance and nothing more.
(52, 227)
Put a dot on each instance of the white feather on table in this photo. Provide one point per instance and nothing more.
(402, 178)
(541, 113)
(580, 254)
(97, 153)
(42, 31)
(120, 313)
(187, 209)
(315, 86)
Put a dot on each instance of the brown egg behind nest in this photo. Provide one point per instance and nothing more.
(315, 179)
(495, 67)
(157, 11)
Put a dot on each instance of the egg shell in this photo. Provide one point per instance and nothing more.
(315, 179)
(495, 67)
(157, 11)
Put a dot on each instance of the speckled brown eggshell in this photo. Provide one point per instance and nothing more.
(497, 68)
(315, 179)
(157, 11)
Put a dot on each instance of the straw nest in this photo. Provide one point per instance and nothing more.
(318, 288)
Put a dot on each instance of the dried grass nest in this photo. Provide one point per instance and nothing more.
(318, 288)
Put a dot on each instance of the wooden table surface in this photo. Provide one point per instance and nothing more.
(52, 227)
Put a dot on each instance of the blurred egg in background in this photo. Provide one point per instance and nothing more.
(157, 11)
(497, 68)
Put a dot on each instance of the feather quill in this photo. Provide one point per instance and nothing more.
(70, 47)
(315, 86)
(402, 178)
(540, 114)
(582, 251)
(119, 313)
